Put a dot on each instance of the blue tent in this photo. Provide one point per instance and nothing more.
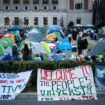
(35, 35)
(55, 28)
(64, 44)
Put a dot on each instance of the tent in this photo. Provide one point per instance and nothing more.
(59, 35)
(42, 29)
(2, 50)
(10, 42)
(53, 28)
(38, 48)
(15, 28)
(46, 46)
(64, 44)
(4, 43)
(51, 37)
(35, 35)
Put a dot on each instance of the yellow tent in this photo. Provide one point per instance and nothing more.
(51, 37)
(46, 46)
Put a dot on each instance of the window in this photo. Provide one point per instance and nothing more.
(16, 20)
(45, 21)
(54, 8)
(78, 20)
(26, 21)
(6, 1)
(35, 1)
(45, 8)
(35, 7)
(54, 20)
(54, 1)
(35, 20)
(6, 7)
(78, 6)
(25, 1)
(16, 1)
(6, 21)
(26, 8)
(45, 1)
(16, 7)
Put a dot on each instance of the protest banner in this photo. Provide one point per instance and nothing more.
(11, 84)
(66, 84)
(100, 78)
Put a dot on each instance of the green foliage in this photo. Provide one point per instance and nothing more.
(19, 66)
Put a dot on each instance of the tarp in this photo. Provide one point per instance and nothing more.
(64, 44)
(35, 35)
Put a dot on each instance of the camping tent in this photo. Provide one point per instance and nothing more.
(35, 35)
(10, 42)
(51, 37)
(64, 44)
(2, 50)
(4, 43)
(46, 46)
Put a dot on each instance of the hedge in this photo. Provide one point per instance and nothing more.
(20, 66)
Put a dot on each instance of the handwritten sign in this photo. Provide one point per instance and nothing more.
(12, 84)
(66, 84)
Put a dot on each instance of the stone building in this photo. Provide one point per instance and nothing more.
(45, 12)
(99, 12)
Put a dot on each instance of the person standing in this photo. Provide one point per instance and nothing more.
(26, 53)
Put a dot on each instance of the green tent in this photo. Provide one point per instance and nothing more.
(58, 35)
(4, 43)
(10, 41)
(2, 50)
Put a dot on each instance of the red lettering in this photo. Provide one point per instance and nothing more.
(59, 75)
(86, 71)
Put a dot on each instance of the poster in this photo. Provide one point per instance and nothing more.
(11, 84)
(66, 84)
(100, 78)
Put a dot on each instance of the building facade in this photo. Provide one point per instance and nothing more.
(45, 12)
(99, 13)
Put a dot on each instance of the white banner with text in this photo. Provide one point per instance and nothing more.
(11, 84)
(66, 84)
